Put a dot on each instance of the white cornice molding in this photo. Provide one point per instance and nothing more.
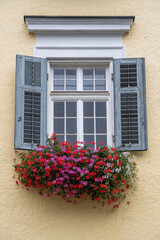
(70, 24)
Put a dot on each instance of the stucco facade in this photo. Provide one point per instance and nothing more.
(26, 215)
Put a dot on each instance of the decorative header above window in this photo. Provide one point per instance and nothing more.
(79, 37)
(108, 24)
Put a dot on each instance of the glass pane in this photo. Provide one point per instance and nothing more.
(88, 125)
(87, 85)
(58, 109)
(100, 73)
(87, 73)
(88, 109)
(59, 85)
(101, 139)
(70, 73)
(71, 138)
(100, 109)
(71, 109)
(59, 125)
(71, 125)
(71, 88)
(58, 88)
(88, 138)
(71, 85)
(70, 82)
(58, 73)
(100, 85)
(101, 125)
(60, 138)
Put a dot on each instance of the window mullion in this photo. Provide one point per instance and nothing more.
(65, 134)
(94, 112)
(79, 79)
(80, 120)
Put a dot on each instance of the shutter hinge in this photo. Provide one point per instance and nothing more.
(112, 76)
(113, 138)
(47, 76)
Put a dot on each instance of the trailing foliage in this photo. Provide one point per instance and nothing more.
(77, 171)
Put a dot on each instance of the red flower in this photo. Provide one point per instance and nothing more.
(85, 195)
(49, 183)
(109, 156)
(120, 163)
(115, 157)
(96, 167)
(115, 175)
(113, 149)
(87, 177)
(114, 191)
(103, 185)
(37, 178)
(97, 198)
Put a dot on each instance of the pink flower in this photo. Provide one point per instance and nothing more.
(54, 182)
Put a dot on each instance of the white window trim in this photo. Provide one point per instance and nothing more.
(80, 96)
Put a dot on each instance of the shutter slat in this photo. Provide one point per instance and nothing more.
(30, 102)
(130, 104)
(32, 117)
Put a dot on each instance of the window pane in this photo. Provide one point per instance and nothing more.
(100, 109)
(101, 139)
(88, 109)
(60, 138)
(87, 73)
(71, 138)
(71, 88)
(100, 85)
(58, 109)
(71, 109)
(101, 125)
(100, 73)
(88, 138)
(71, 85)
(58, 73)
(70, 73)
(71, 125)
(58, 88)
(87, 85)
(58, 83)
(59, 125)
(88, 125)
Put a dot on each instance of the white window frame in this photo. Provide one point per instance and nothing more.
(80, 95)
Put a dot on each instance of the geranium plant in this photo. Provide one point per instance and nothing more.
(77, 171)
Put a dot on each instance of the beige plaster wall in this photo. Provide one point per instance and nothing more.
(26, 215)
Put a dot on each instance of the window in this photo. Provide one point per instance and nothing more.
(79, 102)
(92, 93)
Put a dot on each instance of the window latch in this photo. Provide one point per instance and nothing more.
(112, 76)
(19, 118)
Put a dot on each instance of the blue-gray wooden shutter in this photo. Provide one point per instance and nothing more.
(30, 102)
(130, 118)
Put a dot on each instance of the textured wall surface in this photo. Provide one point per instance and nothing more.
(26, 215)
